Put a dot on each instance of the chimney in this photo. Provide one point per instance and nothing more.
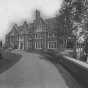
(37, 14)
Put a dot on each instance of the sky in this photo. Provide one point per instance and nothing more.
(12, 11)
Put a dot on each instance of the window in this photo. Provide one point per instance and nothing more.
(48, 34)
(38, 45)
(51, 35)
(34, 35)
(54, 35)
(38, 35)
(39, 29)
(52, 44)
(29, 44)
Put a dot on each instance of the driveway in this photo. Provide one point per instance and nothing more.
(32, 72)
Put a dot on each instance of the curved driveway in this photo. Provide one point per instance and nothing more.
(32, 72)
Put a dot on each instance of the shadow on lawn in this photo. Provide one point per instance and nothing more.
(8, 60)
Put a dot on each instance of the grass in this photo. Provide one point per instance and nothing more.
(8, 60)
(57, 61)
(51, 55)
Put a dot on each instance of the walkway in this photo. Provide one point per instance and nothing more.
(32, 72)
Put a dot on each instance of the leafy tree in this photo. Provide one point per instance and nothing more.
(80, 16)
(72, 12)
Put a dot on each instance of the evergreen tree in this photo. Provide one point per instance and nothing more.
(64, 21)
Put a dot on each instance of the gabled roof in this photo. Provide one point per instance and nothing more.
(50, 23)
(37, 22)
(23, 28)
(14, 30)
(26, 28)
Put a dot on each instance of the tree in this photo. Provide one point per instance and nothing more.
(64, 22)
(81, 18)
(72, 14)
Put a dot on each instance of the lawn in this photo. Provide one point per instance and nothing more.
(7, 60)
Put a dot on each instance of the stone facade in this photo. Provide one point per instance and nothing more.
(36, 35)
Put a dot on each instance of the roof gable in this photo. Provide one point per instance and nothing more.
(39, 25)
(13, 30)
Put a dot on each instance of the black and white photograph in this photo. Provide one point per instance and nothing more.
(43, 43)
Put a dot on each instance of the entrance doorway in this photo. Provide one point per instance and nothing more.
(21, 45)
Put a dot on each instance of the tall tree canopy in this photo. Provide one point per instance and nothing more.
(64, 19)
(72, 11)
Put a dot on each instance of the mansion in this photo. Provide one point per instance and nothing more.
(39, 34)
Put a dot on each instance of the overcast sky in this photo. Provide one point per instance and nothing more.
(16, 10)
